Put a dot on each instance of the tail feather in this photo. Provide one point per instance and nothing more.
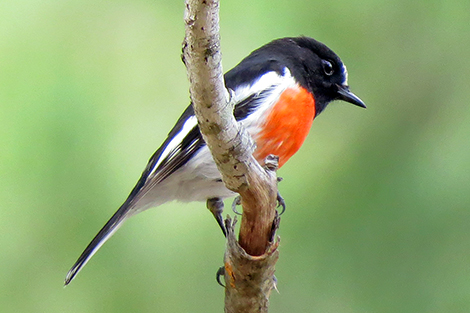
(103, 235)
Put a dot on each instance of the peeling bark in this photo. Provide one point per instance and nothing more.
(250, 263)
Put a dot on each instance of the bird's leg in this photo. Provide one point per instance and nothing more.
(280, 199)
(216, 206)
(236, 201)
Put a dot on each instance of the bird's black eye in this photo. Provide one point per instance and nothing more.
(327, 67)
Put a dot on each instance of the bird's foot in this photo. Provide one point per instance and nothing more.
(220, 273)
(236, 201)
(281, 203)
(216, 206)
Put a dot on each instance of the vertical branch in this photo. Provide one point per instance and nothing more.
(250, 278)
(230, 148)
(248, 281)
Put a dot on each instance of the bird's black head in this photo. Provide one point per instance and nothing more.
(318, 69)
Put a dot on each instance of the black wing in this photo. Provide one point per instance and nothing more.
(159, 169)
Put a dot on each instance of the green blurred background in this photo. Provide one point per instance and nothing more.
(378, 199)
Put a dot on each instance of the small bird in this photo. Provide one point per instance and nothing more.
(276, 91)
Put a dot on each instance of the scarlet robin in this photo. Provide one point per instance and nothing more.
(277, 92)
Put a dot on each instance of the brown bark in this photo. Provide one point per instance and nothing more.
(249, 275)
(249, 279)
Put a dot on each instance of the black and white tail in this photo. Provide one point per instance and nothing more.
(103, 235)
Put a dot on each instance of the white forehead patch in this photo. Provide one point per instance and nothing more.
(345, 72)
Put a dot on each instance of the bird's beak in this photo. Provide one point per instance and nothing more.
(348, 96)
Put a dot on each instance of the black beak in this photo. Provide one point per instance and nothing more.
(348, 96)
